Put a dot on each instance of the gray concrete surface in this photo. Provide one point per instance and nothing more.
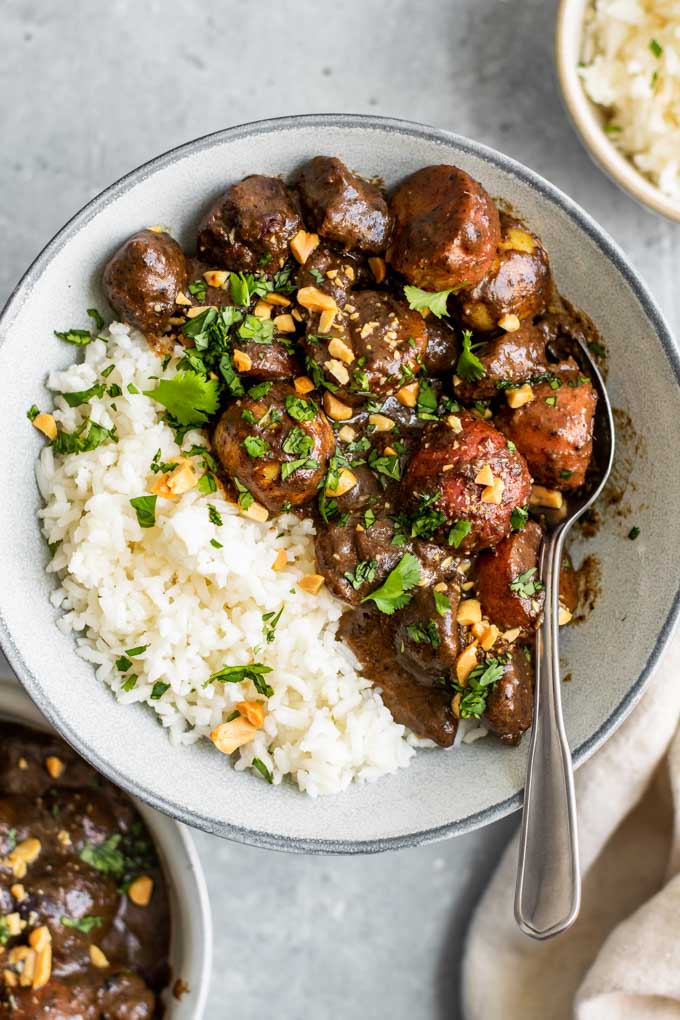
(89, 91)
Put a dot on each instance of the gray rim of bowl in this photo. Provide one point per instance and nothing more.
(611, 251)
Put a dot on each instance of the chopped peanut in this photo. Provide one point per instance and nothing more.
(390, 451)
(337, 370)
(408, 395)
(469, 612)
(315, 300)
(10, 978)
(141, 890)
(466, 662)
(25, 956)
(517, 240)
(97, 957)
(540, 496)
(520, 396)
(27, 851)
(378, 268)
(40, 937)
(256, 512)
(454, 422)
(346, 481)
(511, 635)
(46, 424)
(41, 941)
(253, 711)
(347, 434)
(303, 244)
(229, 736)
(339, 349)
(216, 277)
(54, 766)
(510, 323)
(490, 637)
(197, 310)
(485, 476)
(455, 705)
(277, 299)
(18, 892)
(311, 583)
(303, 384)
(14, 924)
(284, 323)
(335, 409)
(263, 310)
(182, 299)
(326, 320)
(380, 422)
(563, 615)
(156, 229)
(242, 361)
(281, 560)
(493, 493)
(176, 482)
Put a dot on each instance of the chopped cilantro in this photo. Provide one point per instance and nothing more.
(214, 515)
(79, 337)
(96, 317)
(82, 924)
(519, 518)
(33, 412)
(130, 682)
(198, 289)
(656, 48)
(476, 690)
(86, 437)
(216, 544)
(105, 857)
(78, 397)
(133, 652)
(188, 396)
(300, 409)
(426, 402)
(145, 508)
(434, 300)
(385, 464)
(427, 520)
(369, 518)
(114, 390)
(634, 533)
(424, 633)
(245, 499)
(259, 331)
(393, 593)
(158, 690)
(258, 764)
(255, 446)
(364, 573)
(259, 390)
(207, 483)
(441, 602)
(123, 663)
(255, 671)
(552, 401)
(525, 586)
(458, 532)
(469, 367)
(106, 372)
(269, 623)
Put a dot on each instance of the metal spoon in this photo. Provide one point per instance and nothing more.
(548, 891)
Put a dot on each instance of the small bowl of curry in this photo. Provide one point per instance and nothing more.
(103, 905)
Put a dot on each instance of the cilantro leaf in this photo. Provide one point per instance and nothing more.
(145, 508)
(78, 397)
(158, 690)
(434, 300)
(105, 857)
(458, 532)
(525, 585)
(364, 573)
(299, 408)
(469, 367)
(79, 337)
(255, 446)
(392, 594)
(86, 437)
(441, 602)
(82, 924)
(255, 671)
(96, 317)
(188, 396)
(258, 764)
(476, 690)
(424, 633)
(519, 518)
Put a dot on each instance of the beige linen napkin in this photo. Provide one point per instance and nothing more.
(621, 960)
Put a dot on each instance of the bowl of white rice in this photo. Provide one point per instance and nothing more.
(618, 65)
(84, 586)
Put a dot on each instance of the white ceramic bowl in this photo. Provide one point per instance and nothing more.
(588, 118)
(191, 937)
(609, 657)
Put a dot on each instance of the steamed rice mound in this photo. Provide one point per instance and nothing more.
(197, 607)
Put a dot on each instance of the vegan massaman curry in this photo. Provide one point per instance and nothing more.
(84, 915)
(395, 367)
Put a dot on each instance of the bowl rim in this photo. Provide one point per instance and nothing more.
(181, 864)
(581, 112)
(609, 248)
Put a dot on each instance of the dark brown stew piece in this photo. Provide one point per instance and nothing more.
(143, 278)
(342, 207)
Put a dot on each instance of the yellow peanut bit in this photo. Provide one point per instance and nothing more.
(175, 483)
(408, 395)
(46, 424)
(378, 268)
(540, 496)
(337, 370)
(455, 705)
(454, 422)
(277, 299)
(193, 313)
(97, 957)
(26, 957)
(347, 434)
(256, 512)
(14, 924)
(182, 299)
(339, 349)
(517, 240)
(346, 481)
(315, 300)
(40, 937)
(490, 637)
(510, 323)
(493, 493)
(281, 560)
(563, 615)
(229, 736)
(520, 396)
(140, 891)
(253, 712)
(311, 583)
(18, 892)
(303, 384)
(27, 851)
(303, 244)
(216, 277)
(485, 476)
(284, 323)
(478, 316)
(466, 662)
(55, 766)
(326, 320)
(380, 422)
(263, 310)
(469, 612)
(511, 635)
(335, 409)
(242, 361)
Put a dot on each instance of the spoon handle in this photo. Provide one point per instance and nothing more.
(548, 891)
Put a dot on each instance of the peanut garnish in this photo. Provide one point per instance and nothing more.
(315, 300)
(455, 705)
(517, 240)
(485, 476)
(489, 637)
(263, 310)
(466, 662)
(256, 512)
(493, 493)
(229, 736)
(281, 560)
(337, 370)
(216, 277)
(24, 853)
(510, 323)
(197, 310)
(326, 320)
(25, 956)
(284, 323)
(335, 409)
(520, 396)
(454, 422)
(140, 891)
(347, 434)
(346, 481)
(182, 299)
(339, 349)
(242, 361)
(311, 583)
(378, 268)
(563, 615)
(303, 384)
(540, 496)
(511, 635)
(97, 957)
(253, 712)
(408, 395)
(175, 483)
(54, 766)
(380, 422)
(46, 424)
(41, 940)
(303, 244)
(14, 924)
(469, 612)
(18, 892)
(277, 299)
(477, 315)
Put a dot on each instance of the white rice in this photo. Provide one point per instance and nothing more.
(197, 607)
(640, 89)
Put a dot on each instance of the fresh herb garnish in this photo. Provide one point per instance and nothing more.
(255, 671)
(255, 446)
(393, 593)
(198, 289)
(519, 518)
(434, 300)
(300, 409)
(469, 367)
(158, 466)
(79, 337)
(565, 473)
(427, 520)
(88, 436)
(634, 533)
(385, 464)
(525, 586)
(139, 650)
(475, 692)
(158, 690)
(551, 401)
(458, 532)
(441, 602)
(145, 508)
(189, 397)
(78, 397)
(105, 857)
(214, 515)
(259, 390)
(424, 633)
(114, 390)
(369, 518)
(245, 498)
(258, 764)
(130, 682)
(269, 622)
(4, 931)
(259, 331)
(82, 924)
(33, 412)
(215, 544)
(426, 402)
(363, 573)
(656, 48)
(123, 663)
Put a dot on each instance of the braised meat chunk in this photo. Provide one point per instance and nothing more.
(426, 634)
(276, 443)
(342, 207)
(332, 272)
(446, 229)
(143, 278)
(249, 228)
(510, 704)
(466, 471)
(510, 359)
(508, 585)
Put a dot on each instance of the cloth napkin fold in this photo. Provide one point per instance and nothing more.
(621, 960)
